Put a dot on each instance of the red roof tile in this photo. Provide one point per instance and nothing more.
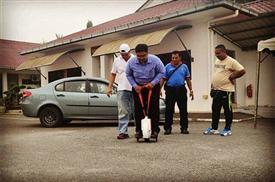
(148, 13)
(10, 53)
(152, 12)
(261, 6)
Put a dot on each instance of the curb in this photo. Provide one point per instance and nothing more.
(221, 120)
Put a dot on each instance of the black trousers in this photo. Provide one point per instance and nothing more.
(173, 95)
(222, 99)
(153, 108)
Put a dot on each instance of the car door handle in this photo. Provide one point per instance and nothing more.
(93, 96)
(60, 95)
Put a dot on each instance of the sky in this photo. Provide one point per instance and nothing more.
(39, 20)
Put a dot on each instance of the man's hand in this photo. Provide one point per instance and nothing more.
(191, 94)
(231, 78)
(149, 86)
(109, 92)
(138, 89)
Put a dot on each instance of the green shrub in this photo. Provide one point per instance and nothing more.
(12, 96)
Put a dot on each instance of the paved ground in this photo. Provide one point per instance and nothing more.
(90, 152)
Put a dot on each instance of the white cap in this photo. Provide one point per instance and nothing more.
(124, 48)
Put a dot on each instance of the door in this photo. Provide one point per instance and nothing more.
(100, 105)
(73, 98)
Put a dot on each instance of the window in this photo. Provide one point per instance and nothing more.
(58, 74)
(75, 86)
(60, 87)
(100, 87)
(166, 58)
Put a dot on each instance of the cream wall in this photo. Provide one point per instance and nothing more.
(92, 66)
(201, 41)
(196, 40)
(82, 58)
(248, 59)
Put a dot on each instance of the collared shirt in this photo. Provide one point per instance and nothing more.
(151, 71)
(179, 76)
(119, 67)
(222, 70)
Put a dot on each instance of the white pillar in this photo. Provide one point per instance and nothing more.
(4, 82)
(108, 65)
(102, 66)
(96, 66)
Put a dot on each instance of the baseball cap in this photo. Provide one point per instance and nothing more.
(124, 48)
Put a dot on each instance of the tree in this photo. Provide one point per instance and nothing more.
(89, 24)
(58, 36)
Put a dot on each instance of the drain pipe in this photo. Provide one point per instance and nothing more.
(225, 17)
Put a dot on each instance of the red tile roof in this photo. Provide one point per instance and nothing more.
(152, 12)
(261, 6)
(149, 13)
(156, 11)
(10, 56)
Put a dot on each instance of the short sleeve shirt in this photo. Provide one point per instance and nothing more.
(119, 67)
(222, 70)
(179, 76)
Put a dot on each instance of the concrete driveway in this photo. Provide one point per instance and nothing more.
(90, 152)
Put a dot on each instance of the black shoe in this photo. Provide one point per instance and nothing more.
(122, 136)
(138, 134)
(167, 132)
(154, 134)
(184, 131)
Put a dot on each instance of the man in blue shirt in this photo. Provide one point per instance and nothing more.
(176, 73)
(144, 72)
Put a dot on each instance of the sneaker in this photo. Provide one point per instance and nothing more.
(226, 132)
(122, 136)
(211, 131)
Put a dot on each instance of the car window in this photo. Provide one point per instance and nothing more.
(60, 87)
(102, 87)
(114, 90)
(75, 86)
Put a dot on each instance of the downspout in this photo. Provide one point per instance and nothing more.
(225, 17)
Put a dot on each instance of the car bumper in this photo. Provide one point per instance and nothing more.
(28, 110)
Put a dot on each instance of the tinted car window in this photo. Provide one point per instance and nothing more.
(98, 87)
(75, 86)
(60, 87)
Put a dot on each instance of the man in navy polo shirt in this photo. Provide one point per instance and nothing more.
(176, 74)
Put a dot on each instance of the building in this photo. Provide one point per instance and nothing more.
(10, 58)
(193, 27)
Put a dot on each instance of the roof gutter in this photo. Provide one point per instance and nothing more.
(225, 17)
(148, 21)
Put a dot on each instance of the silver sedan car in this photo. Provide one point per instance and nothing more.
(79, 98)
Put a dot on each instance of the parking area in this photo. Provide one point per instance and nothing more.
(86, 151)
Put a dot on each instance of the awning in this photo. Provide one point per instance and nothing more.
(41, 61)
(152, 38)
(267, 44)
(248, 32)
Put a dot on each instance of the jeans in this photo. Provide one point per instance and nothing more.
(125, 104)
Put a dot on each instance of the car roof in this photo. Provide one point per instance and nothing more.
(78, 78)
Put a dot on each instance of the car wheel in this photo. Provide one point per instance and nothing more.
(50, 117)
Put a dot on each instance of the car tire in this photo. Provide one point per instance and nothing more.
(50, 117)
